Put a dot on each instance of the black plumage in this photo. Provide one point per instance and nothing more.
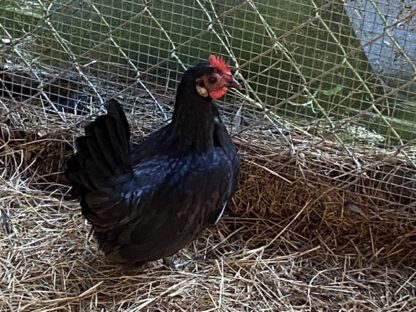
(147, 201)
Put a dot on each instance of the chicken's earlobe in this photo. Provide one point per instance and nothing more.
(202, 91)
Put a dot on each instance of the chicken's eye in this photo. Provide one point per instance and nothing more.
(212, 80)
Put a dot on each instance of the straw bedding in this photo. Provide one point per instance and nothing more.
(307, 230)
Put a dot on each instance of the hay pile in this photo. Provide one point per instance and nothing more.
(307, 231)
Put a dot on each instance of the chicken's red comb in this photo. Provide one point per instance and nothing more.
(218, 62)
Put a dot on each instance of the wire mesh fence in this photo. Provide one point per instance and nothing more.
(328, 103)
(343, 71)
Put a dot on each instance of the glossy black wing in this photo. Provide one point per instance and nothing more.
(165, 204)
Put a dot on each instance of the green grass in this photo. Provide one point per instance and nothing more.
(18, 17)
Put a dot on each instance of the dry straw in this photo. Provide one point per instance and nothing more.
(307, 230)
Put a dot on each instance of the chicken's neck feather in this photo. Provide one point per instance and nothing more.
(193, 118)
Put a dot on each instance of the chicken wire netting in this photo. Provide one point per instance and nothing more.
(342, 71)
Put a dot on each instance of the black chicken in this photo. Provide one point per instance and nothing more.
(147, 201)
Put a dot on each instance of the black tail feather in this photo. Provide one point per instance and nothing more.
(103, 153)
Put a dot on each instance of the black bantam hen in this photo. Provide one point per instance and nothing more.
(147, 201)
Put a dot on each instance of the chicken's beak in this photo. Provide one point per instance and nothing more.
(233, 84)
